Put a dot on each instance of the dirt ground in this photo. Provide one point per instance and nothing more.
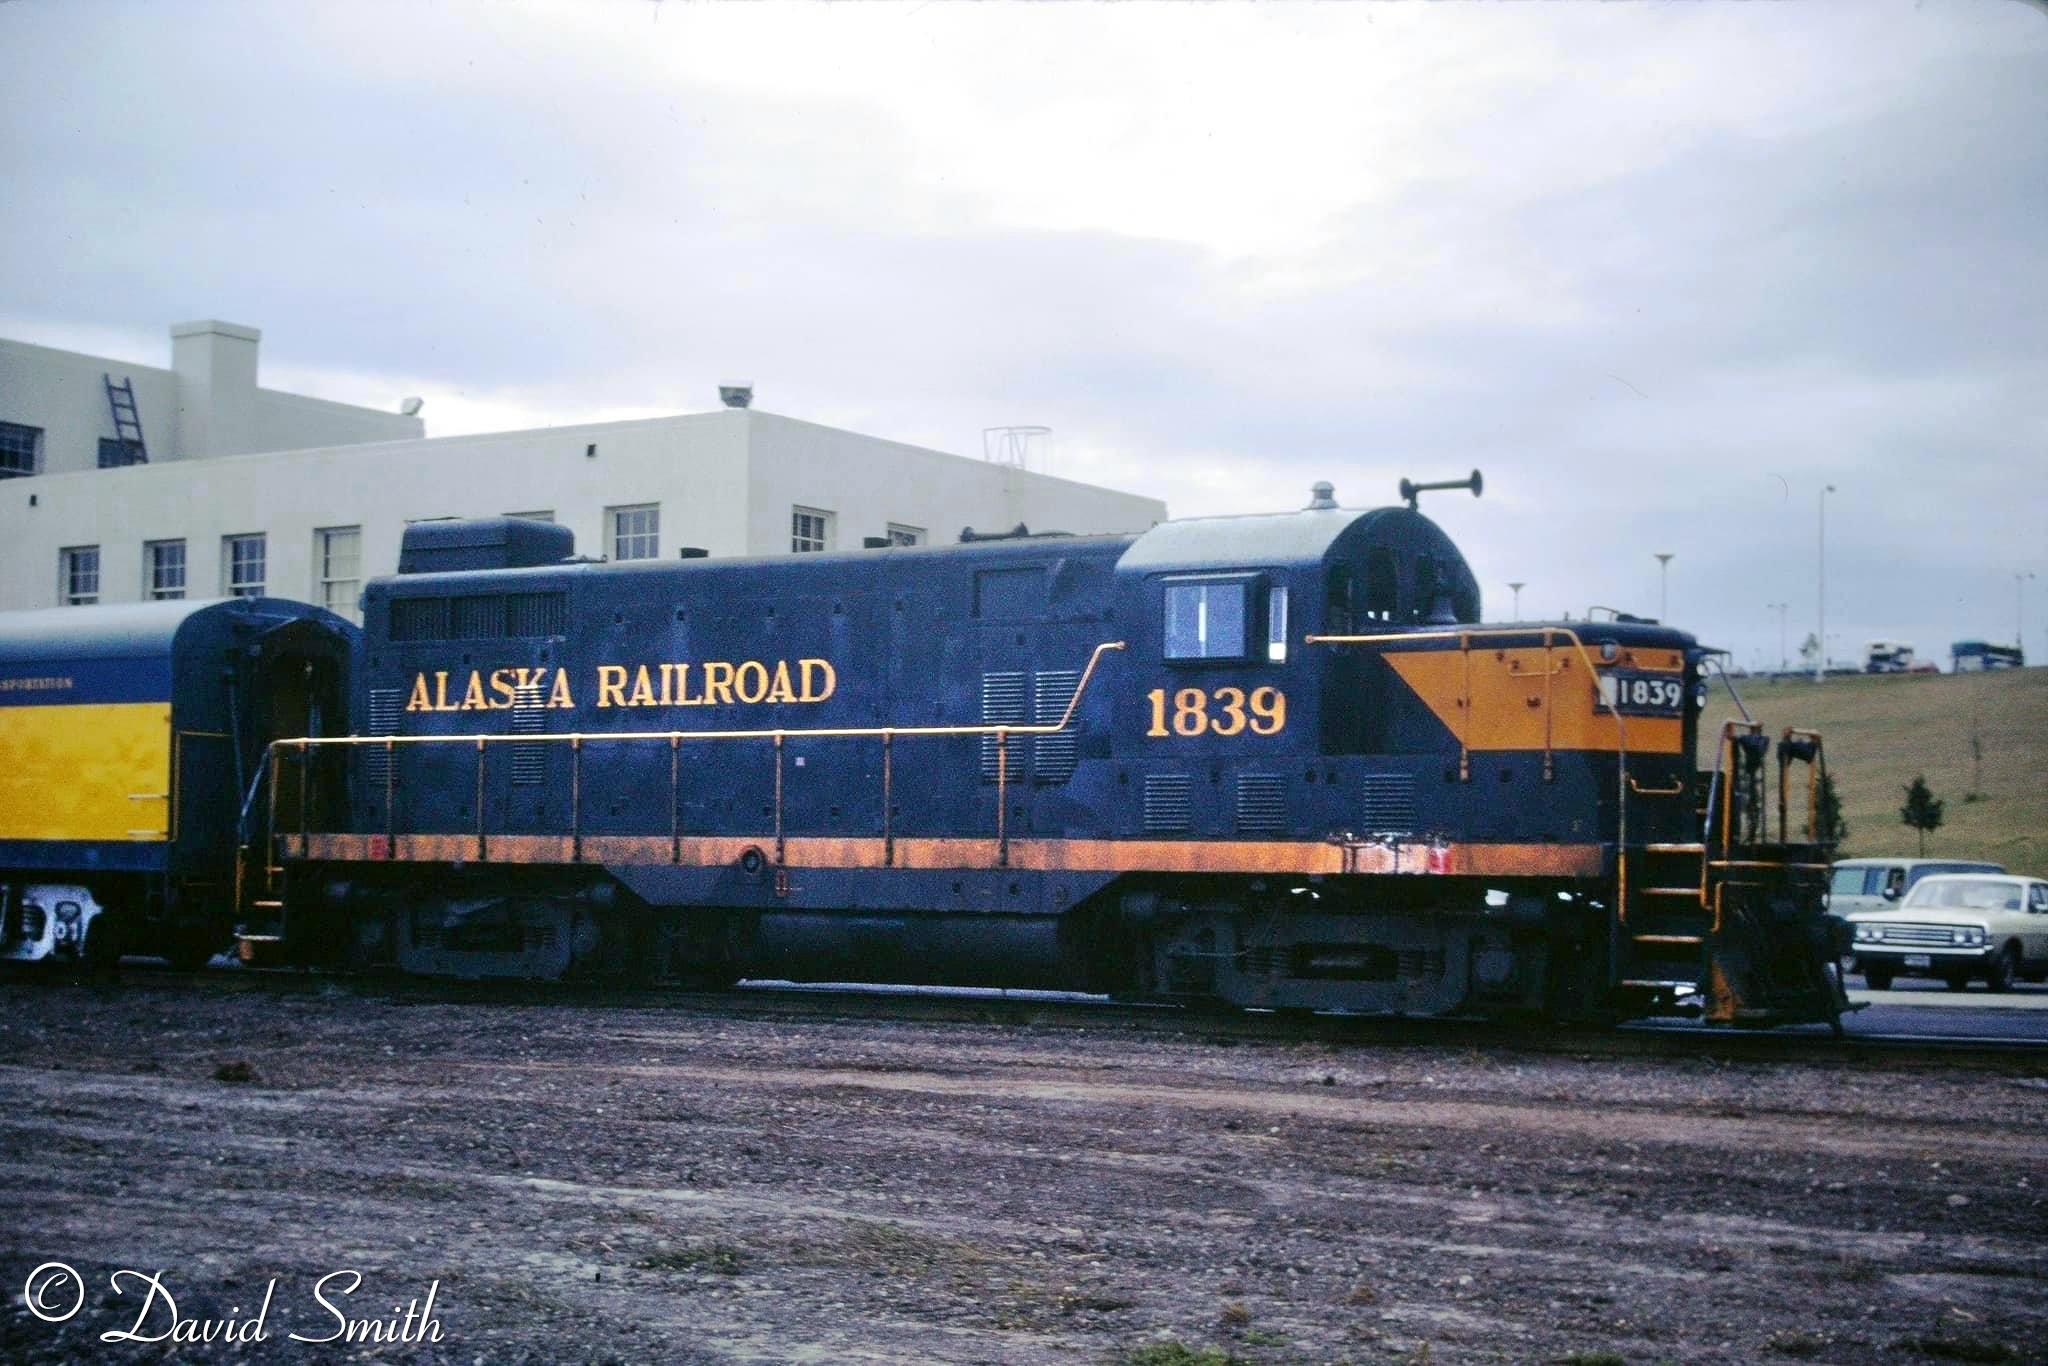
(630, 1183)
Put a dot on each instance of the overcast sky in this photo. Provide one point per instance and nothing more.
(1662, 271)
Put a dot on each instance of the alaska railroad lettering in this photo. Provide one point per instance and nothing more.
(713, 682)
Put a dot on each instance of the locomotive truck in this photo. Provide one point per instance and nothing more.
(1268, 761)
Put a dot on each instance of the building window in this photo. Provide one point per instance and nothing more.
(163, 565)
(242, 565)
(809, 530)
(21, 449)
(1206, 620)
(635, 532)
(78, 575)
(338, 562)
(546, 515)
(905, 535)
(114, 453)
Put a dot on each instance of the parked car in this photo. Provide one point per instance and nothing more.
(1957, 926)
(1876, 884)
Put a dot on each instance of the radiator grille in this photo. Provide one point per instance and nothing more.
(1261, 803)
(1919, 936)
(1003, 703)
(1169, 803)
(1052, 756)
(1387, 802)
(536, 614)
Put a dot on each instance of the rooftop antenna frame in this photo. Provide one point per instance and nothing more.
(1013, 446)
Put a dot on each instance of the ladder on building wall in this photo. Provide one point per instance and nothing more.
(127, 420)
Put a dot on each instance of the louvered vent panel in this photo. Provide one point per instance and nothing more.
(1261, 803)
(1388, 802)
(529, 717)
(387, 705)
(1169, 804)
(1003, 702)
(1052, 756)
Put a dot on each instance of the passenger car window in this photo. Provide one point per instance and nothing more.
(1207, 620)
(1895, 882)
(2037, 897)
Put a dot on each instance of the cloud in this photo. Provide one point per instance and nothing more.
(1661, 271)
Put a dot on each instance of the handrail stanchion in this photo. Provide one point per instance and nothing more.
(780, 847)
(1002, 797)
(888, 800)
(482, 853)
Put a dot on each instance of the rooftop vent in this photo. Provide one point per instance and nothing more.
(1322, 496)
(736, 395)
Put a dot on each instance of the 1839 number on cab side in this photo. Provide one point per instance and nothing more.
(1188, 712)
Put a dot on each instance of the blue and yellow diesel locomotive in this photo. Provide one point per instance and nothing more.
(1269, 760)
(128, 737)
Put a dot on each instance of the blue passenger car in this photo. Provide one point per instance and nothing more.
(129, 736)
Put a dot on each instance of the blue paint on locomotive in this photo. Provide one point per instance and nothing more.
(1291, 741)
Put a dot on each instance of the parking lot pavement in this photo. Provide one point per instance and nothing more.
(1930, 1008)
(1914, 992)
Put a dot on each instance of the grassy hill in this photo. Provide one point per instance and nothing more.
(1882, 729)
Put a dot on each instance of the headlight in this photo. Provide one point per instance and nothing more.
(1868, 934)
(1971, 934)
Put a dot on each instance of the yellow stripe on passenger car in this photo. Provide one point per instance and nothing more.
(90, 771)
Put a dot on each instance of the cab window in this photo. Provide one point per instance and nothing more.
(2037, 897)
(1208, 619)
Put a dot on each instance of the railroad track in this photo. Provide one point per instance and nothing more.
(1058, 1011)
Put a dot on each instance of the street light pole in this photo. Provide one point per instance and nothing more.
(1784, 660)
(1820, 661)
(2019, 609)
(1664, 559)
(1518, 598)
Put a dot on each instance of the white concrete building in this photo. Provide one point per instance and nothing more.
(314, 523)
(57, 414)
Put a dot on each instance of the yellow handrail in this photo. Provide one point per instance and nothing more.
(303, 746)
(769, 733)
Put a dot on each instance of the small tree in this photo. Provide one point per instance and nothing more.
(1809, 650)
(1922, 810)
(1829, 827)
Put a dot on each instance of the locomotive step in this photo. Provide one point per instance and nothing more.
(267, 906)
(1669, 939)
(1693, 892)
(1674, 848)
